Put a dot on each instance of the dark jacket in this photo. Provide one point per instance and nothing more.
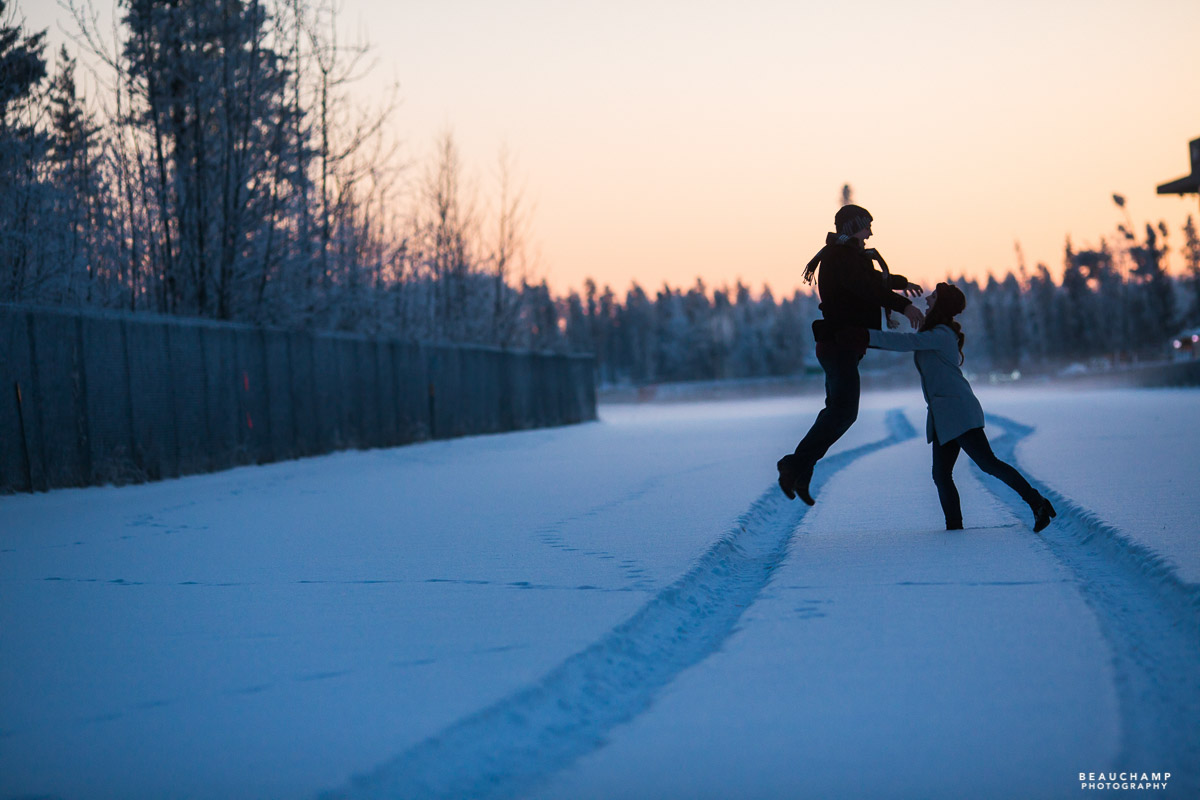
(852, 291)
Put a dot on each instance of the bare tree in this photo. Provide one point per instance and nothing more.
(446, 236)
(509, 258)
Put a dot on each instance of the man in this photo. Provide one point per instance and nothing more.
(852, 291)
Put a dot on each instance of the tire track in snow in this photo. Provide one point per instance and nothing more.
(503, 750)
(1148, 616)
(637, 576)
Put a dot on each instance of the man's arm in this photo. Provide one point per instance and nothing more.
(899, 283)
(893, 281)
(894, 302)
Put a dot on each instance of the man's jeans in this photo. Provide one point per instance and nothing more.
(841, 402)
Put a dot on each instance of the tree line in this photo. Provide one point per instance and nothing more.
(1115, 304)
(224, 172)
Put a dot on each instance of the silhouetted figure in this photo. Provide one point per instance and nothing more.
(955, 418)
(852, 292)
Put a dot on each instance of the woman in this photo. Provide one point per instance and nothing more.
(955, 419)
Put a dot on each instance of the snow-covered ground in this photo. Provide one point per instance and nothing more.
(623, 609)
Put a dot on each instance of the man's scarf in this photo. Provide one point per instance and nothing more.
(846, 240)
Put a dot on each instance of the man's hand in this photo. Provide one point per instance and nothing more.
(914, 316)
(913, 290)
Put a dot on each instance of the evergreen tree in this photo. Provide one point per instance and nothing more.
(578, 324)
(1191, 262)
(1156, 299)
(23, 152)
(1076, 309)
(1043, 324)
(699, 344)
(639, 335)
(212, 101)
(749, 351)
(790, 332)
(671, 336)
(81, 218)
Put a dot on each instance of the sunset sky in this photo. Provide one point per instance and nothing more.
(661, 141)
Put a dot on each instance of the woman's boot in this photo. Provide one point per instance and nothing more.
(1043, 512)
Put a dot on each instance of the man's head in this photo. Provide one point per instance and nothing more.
(852, 220)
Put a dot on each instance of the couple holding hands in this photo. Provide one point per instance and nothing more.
(852, 291)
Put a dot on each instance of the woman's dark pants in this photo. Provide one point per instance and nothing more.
(976, 445)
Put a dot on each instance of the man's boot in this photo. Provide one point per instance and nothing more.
(787, 477)
(794, 477)
(804, 475)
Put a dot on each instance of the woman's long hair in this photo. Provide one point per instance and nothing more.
(949, 304)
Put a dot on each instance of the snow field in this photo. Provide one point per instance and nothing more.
(1149, 616)
(623, 609)
(1131, 457)
(272, 631)
(886, 658)
(502, 750)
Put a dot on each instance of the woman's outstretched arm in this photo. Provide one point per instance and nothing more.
(939, 338)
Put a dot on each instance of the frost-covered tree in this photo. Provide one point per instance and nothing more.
(209, 95)
(671, 335)
(789, 332)
(578, 325)
(1077, 309)
(1154, 296)
(1191, 262)
(1043, 323)
(24, 148)
(639, 337)
(82, 248)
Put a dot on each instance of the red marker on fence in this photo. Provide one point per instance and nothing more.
(246, 387)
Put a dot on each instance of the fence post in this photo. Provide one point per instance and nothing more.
(24, 436)
(135, 455)
(268, 452)
(37, 479)
(174, 418)
(86, 473)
